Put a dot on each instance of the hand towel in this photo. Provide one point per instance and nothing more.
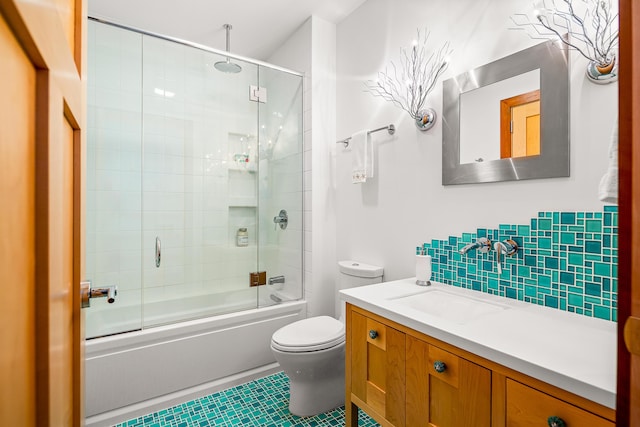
(608, 189)
(362, 157)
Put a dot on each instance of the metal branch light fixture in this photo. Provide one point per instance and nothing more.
(408, 85)
(592, 31)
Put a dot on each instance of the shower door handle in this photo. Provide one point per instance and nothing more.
(158, 251)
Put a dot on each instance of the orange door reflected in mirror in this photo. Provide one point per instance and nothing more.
(520, 125)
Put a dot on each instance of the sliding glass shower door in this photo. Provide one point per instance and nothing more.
(188, 168)
(200, 168)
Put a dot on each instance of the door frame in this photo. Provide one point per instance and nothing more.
(628, 384)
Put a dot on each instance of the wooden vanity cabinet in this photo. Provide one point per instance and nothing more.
(528, 407)
(377, 368)
(445, 390)
(401, 377)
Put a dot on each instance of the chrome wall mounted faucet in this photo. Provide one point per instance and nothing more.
(507, 247)
(482, 244)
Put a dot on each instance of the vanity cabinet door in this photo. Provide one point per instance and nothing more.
(527, 407)
(444, 390)
(378, 368)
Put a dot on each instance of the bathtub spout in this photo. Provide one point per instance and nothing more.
(276, 279)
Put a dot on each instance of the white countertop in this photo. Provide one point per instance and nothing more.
(570, 351)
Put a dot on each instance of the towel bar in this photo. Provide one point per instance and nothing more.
(391, 129)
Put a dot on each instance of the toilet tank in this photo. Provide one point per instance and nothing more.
(352, 274)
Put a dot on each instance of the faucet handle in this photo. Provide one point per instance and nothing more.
(485, 245)
(510, 247)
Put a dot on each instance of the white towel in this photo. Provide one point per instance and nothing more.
(362, 157)
(608, 189)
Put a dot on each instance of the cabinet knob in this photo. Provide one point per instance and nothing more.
(439, 366)
(373, 334)
(556, 422)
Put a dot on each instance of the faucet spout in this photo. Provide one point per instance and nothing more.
(482, 244)
(276, 279)
(469, 247)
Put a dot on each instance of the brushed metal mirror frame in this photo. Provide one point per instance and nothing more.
(553, 161)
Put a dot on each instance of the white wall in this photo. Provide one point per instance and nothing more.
(311, 49)
(382, 221)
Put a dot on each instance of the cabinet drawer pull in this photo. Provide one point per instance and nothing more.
(556, 422)
(373, 334)
(439, 366)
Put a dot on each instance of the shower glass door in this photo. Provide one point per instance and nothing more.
(199, 185)
(281, 186)
(187, 166)
(113, 220)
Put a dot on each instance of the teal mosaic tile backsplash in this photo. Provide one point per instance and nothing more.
(565, 260)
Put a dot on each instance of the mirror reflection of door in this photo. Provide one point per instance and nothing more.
(520, 125)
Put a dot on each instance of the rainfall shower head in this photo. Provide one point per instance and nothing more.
(227, 66)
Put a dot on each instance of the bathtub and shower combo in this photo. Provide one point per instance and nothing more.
(194, 210)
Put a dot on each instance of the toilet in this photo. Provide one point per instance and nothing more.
(311, 351)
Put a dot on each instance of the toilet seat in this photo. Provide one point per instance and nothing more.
(312, 334)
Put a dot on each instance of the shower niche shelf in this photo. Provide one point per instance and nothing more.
(242, 202)
(240, 168)
(242, 217)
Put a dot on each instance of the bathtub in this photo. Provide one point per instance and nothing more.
(135, 373)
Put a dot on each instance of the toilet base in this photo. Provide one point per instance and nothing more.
(316, 379)
(313, 398)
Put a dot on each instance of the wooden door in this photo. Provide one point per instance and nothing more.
(628, 392)
(520, 125)
(525, 135)
(41, 117)
(376, 369)
(444, 390)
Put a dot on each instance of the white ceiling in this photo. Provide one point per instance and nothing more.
(259, 26)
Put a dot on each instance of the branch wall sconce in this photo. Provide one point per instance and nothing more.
(587, 26)
(408, 84)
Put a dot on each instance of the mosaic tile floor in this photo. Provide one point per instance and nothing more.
(263, 402)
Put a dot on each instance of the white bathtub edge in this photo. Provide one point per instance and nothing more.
(136, 410)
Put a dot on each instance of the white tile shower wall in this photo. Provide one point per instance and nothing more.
(311, 49)
(280, 184)
(406, 204)
(114, 134)
(295, 54)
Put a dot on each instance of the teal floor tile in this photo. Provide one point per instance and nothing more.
(263, 402)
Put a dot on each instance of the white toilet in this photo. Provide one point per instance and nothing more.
(311, 351)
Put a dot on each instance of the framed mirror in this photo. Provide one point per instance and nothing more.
(509, 119)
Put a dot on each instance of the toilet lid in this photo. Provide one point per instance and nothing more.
(312, 334)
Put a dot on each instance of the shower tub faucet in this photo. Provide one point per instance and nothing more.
(282, 219)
